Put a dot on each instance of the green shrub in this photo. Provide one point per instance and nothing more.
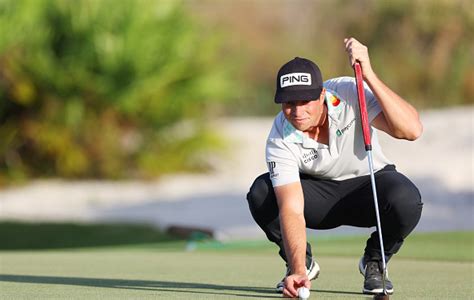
(99, 88)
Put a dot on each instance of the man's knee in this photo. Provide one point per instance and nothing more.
(404, 202)
(405, 197)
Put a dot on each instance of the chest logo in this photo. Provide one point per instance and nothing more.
(334, 101)
(310, 156)
(341, 131)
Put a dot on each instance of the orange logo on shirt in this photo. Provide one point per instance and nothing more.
(335, 101)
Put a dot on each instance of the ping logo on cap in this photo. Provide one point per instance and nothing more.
(295, 79)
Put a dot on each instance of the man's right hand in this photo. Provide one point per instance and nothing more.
(293, 283)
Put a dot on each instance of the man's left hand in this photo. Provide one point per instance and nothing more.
(358, 52)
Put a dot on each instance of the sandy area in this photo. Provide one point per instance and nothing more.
(440, 163)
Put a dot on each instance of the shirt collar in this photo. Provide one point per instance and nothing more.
(291, 134)
(334, 104)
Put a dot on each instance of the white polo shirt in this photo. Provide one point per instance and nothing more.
(289, 152)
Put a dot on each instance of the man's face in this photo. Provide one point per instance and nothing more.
(304, 115)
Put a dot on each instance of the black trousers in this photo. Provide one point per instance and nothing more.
(330, 203)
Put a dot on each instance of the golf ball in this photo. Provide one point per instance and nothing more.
(303, 293)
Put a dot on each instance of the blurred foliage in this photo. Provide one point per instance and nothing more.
(117, 89)
(105, 88)
(423, 49)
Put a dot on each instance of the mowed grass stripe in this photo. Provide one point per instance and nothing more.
(453, 246)
(449, 246)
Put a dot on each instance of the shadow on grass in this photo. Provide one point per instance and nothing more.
(340, 292)
(162, 286)
(147, 285)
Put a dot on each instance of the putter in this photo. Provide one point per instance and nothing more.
(368, 148)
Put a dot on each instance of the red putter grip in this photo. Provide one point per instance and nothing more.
(362, 106)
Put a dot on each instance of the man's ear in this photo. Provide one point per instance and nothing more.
(323, 94)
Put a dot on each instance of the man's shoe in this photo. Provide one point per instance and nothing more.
(372, 271)
(312, 272)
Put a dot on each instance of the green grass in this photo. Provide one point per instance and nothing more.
(448, 246)
(429, 266)
(143, 274)
(451, 246)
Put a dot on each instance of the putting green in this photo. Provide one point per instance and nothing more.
(147, 273)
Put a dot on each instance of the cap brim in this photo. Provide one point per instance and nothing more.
(301, 95)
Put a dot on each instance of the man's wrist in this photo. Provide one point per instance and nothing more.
(301, 270)
(370, 76)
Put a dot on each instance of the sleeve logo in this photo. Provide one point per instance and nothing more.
(271, 169)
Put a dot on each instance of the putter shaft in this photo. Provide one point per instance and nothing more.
(368, 147)
(377, 216)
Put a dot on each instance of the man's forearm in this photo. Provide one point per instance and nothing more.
(401, 117)
(293, 225)
(294, 237)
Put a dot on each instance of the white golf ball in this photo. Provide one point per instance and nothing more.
(303, 293)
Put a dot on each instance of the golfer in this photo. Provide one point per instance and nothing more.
(318, 171)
